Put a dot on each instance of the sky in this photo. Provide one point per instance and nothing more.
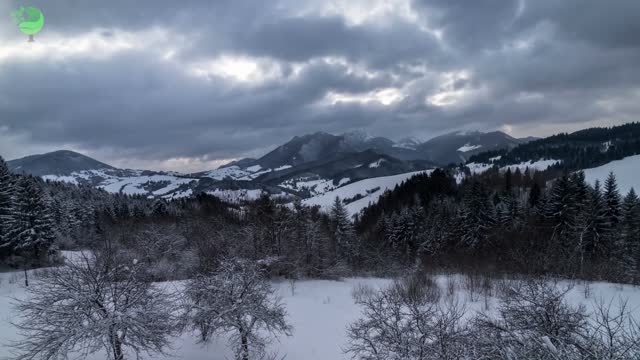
(189, 85)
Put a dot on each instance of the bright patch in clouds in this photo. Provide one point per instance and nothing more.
(357, 12)
(450, 91)
(385, 97)
(238, 68)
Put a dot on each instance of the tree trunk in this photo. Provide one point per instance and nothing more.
(117, 350)
(26, 278)
(245, 347)
(117, 346)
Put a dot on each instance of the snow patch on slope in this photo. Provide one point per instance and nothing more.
(468, 147)
(370, 190)
(313, 185)
(478, 168)
(539, 165)
(627, 172)
(236, 196)
(376, 164)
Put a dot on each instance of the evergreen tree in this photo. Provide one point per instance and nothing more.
(6, 206)
(477, 216)
(592, 226)
(630, 238)
(612, 201)
(534, 195)
(343, 232)
(34, 228)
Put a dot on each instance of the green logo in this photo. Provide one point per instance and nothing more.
(29, 19)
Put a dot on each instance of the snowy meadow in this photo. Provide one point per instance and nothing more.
(320, 312)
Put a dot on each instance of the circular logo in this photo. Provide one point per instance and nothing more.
(29, 19)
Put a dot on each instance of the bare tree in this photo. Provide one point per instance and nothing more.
(94, 303)
(237, 299)
(405, 321)
(535, 322)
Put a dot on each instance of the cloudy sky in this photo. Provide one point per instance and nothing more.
(189, 84)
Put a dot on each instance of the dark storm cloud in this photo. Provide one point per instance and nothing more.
(497, 62)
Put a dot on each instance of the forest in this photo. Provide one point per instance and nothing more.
(496, 225)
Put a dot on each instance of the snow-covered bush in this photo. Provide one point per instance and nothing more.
(92, 304)
(536, 322)
(404, 322)
(236, 299)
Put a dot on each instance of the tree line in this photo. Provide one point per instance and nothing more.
(503, 222)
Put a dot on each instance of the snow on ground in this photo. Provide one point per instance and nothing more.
(478, 168)
(371, 189)
(312, 184)
(136, 185)
(376, 164)
(235, 196)
(319, 311)
(539, 165)
(179, 194)
(236, 173)
(469, 147)
(627, 172)
(233, 172)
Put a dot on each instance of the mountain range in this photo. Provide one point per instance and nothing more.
(305, 166)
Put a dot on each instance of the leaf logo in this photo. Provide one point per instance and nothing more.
(30, 20)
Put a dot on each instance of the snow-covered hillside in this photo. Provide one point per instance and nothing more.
(235, 172)
(627, 172)
(540, 165)
(369, 190)
(130, 182)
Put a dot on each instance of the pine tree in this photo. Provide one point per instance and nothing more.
(596, 223)
(477, 216)
(6, 206)
(630, 238)
(534, 195)
(612, 200)
(343, 232)
(562, 208)
(34, 229)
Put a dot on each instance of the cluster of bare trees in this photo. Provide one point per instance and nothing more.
(409, 321)
(103, 301)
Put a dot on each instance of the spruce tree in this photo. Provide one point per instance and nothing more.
(612, 200)
(630, 238)
(562, 209)
(477, 216)
(33, 232)
(6, 207)
(596, 222)
(343, 232)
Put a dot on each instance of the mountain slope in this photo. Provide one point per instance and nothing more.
(582, 149)
(359, 195)
(62, 162)
(458, 146)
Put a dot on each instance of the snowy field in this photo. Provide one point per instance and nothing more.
(625, 170)
(319, 310)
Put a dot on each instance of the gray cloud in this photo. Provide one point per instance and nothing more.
(142, 82)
